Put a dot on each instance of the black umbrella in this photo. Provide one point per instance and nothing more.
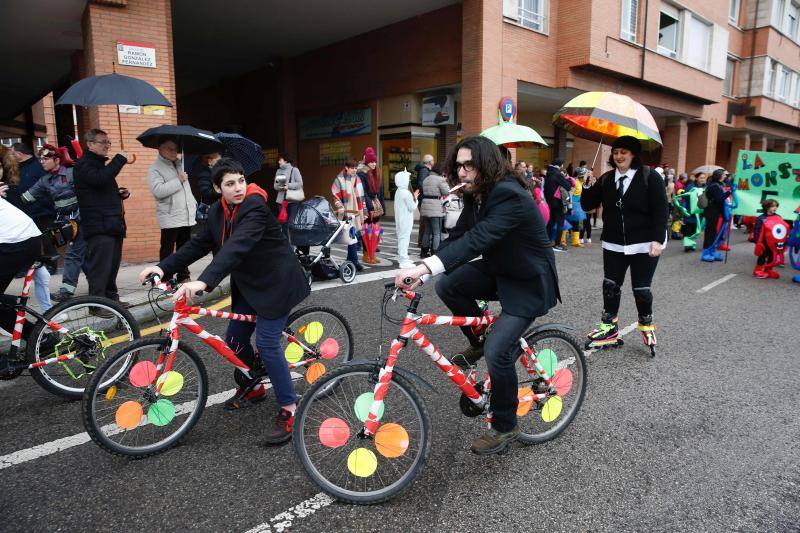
(113, 89)
(190, 140)
(243, 150)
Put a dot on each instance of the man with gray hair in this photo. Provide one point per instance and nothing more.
(423, 169)
(102, 219)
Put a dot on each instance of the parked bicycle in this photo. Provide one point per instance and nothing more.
(362, 432)
(67, 343)
(147, 407)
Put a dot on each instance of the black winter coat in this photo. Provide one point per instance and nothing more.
(98, 194)
(552, 181)
(508, 230)
(262, 266)
(29, 173)
(644, 213)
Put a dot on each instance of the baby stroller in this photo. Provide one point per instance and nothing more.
(316, 224)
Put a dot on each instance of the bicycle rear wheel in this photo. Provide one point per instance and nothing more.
(138, 409)
(347, 465)
(326, 343)
(94, 326)
(562, 358)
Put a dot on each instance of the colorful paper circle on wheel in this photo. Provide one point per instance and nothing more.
(161, 413)
(329, 348)
(562, 381)
(552, 408)
(129, 414)
(313, 332)
(293, 352)
(525, 397)
(547, 358)
(362, 462)
(363, 405)
(334, 432)
(142, 374)
(170, 382)
(314, 372)
(391, 440)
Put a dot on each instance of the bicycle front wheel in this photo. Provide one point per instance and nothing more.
(333, 450)
(561, 356)
(93, 326)
(325, 341)
(134, 407)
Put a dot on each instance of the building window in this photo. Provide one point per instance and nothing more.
(796, 101)
(699, 43)
(630, 14)
(531, 14)
(669, 31)
(777, 14)
(727, 85)
(784, 83)
(771, 72)
(790, 25)
(733, 15)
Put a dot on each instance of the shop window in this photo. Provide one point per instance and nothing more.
(727, 85)
(532, 14)
(699, 43)
(733, 15)
(630, 14)
(669, 31)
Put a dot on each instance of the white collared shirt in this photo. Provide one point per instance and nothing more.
(16, 226)
(627, 177)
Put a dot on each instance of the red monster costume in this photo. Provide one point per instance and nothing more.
(770, 241)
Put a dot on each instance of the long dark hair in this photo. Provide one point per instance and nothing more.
(717, 174)
(489, 163)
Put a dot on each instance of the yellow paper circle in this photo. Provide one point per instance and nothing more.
(170, 382)
(314, 372)
(111, 392)
(313, 332)
(293, 352)
(362, 462)
(129, 415)
(552, 408)
(391, 440)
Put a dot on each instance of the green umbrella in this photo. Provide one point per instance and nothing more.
(513, 135)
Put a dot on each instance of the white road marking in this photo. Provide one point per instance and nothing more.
(711, 285)
(58, 445)
(283, 521)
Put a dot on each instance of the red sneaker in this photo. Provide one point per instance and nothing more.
(759, 273)
(771, 274)
(281, 431)
(258, 394)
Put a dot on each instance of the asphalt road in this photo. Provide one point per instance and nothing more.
(702, 438)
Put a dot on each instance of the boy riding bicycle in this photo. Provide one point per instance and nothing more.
(266, 279)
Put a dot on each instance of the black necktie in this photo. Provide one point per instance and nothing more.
(621, 187)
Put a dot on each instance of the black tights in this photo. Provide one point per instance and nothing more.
(642, 266)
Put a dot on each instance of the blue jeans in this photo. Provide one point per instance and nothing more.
(352, 249)
(433, 229)
(73, 263)
(268, 340)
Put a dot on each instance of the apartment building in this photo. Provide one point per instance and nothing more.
(324, 80)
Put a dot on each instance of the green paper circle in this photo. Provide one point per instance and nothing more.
(547, 358)
(363, 405)
(161, 413)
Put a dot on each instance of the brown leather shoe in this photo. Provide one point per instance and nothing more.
(494, 442)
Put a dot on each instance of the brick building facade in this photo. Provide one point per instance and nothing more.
(717, 76)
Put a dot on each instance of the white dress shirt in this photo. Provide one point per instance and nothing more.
(16, 226)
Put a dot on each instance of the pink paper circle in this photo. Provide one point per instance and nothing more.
(334, 432)
(329, 348)
(142, 374)
(562, 381)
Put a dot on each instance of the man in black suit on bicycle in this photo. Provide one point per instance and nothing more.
(502, 224)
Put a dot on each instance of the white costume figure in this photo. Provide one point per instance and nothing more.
(404, 206)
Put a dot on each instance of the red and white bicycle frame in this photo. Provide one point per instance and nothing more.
(16, 335)
(182, 316)
(466, 383)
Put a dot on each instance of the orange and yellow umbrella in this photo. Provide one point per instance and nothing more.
(606, 116)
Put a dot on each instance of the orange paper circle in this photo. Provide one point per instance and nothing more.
(314, 372)
(129, 415)
(391, 440)
(524, 406)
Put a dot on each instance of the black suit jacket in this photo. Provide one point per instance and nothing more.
(507, 229)
(262, 266)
